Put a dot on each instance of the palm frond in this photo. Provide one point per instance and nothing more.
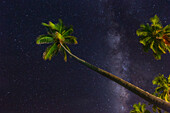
(44, 39)
(139, 108)
(44, 24)
(52, 26)
(144, 41)
(71, 40)
(166, 29)
(68, 31)
(155, 20)
(60, 26)
(53, 54)
(67, 47)
(162, 47)
(152, 46)
(169, 79)
(63, 52)
(65, 56)
(50, 51)
(168, 48)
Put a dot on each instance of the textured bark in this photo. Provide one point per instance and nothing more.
(138, 91)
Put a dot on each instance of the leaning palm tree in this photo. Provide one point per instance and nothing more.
(59, 35)
(155, 37)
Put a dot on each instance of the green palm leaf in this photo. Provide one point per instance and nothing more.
(65, 56)
(145, 40)
(168, 48)
(155, 20)
(152, 46)
(53, 26)
(60, 26)
(67, 47)
(139, 108)
(68, 32)
(162, 47)
(71, 40)
(44, 24)
(162, 89)
(166, 29)
(169, 79)
(63, 52)
(44, 39)
(54, 53)
(50, 51)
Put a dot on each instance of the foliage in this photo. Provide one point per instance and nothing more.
(139, 108)
(163, 87)
(155, 37)
(57, 34)
(162, 91)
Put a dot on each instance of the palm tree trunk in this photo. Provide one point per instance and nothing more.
(138, 91)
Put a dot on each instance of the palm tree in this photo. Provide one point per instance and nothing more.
(59, 35)
(155, 37)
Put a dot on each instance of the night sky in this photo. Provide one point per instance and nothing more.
(106, 32)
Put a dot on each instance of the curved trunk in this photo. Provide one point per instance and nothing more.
(138, 91)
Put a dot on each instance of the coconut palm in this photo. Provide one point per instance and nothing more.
(155, 37)
(58, 35)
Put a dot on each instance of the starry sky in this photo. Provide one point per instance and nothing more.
(106, 35)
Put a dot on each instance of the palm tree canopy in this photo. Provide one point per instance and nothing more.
(155, 37)
(163, 87)
(56, 34)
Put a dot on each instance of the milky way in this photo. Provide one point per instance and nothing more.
(117, 60)
(106, 35)
(120, 60)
